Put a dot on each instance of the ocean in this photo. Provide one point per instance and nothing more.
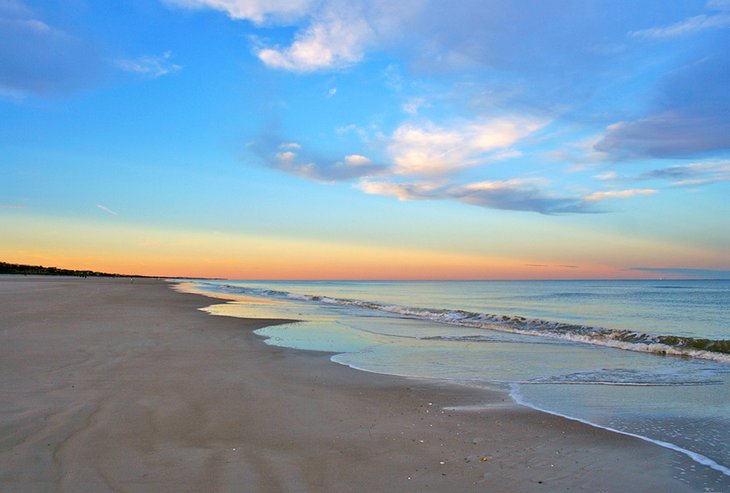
(649, 359)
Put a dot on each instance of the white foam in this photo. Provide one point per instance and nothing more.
(699, 458)
(627, 340)
(499, 322)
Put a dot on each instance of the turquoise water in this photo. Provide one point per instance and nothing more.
(596, 356)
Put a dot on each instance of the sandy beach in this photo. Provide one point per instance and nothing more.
(123, 385)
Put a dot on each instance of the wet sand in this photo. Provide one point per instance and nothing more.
(119, 385)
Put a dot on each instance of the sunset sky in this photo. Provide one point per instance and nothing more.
(353, 139)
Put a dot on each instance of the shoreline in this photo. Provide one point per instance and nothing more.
(515, 396)
(111, 384)
(551, 328)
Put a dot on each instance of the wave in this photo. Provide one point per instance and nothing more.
(517, 396)
(623, 376)
(669, 345)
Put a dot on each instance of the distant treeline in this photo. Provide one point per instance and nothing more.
(6, 268)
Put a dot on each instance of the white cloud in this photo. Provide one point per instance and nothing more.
(432, 150)
(697, 181)
(513, 183)
(692, 24)
(35, 25)
(356, 160)
(618, 194)
(106, 209)
(336, 38)
(402, 191)
(290, 157)
(517, 194)
(687, 26)
(332, 33)
(606, 176)
(286, 156)
(257, 11)
(150, 66)
(289, 145)
(413, 105)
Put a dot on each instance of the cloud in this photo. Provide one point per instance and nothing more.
(606, 176)
(690, 112)
(106, 209)
(256, 11)
(415, 149)
(666, 135)
(402, 191)
(564, 266)
(699, 173)
(357, 160)
(289, 145)
(150, 66)
(689, 116)
(39, 59)
(432, 153)
(514, 194)
(546, 68)
(428, 149)
(678, 175)
(618, 194)
(290, 157)
(412, 105)
(332, 34)
(580, 154)
(686, 273)
(690, 25)
(718, 4)
(543, 38)
(335, 39)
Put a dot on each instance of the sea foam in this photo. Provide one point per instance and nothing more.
(709, 349)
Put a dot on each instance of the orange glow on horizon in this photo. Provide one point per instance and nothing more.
(129, 249)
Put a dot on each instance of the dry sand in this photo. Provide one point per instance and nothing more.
(114, 385)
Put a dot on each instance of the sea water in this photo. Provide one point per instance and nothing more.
(644, 358)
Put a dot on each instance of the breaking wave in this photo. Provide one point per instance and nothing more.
(710, 349)
(623, 376)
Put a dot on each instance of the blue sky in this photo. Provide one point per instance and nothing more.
(544, 139)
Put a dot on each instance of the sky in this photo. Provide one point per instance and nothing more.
(354, 139)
